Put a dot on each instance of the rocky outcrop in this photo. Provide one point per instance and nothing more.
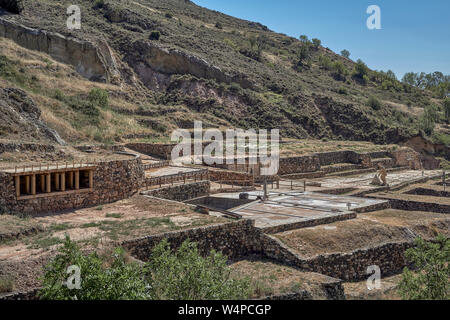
(19, 113)
(154, 64)
(95, 62)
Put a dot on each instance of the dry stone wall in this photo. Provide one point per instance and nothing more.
(181, 192)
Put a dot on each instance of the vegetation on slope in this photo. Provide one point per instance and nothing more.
(299, 86)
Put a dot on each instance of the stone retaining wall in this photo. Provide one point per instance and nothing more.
(181, 192)
(114, 180)
(235, 239)
(301, 164)
(226, 176)
(350, 266)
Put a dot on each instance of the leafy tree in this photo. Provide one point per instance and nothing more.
(119, 281)
(13, 6)
(391, 75)
(410, 78)
(431, 279)
(304, 39)
(316, 43)
(303, 56)
(345, 53)
(186, 275)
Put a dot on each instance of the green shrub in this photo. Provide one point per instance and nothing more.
(339, 70)
(119, 281)
(218, 25)
(342, 90)
(428, 120)
(14, 6)
(325, 62)
(186, 275)
(374, 103)
(99, 97)
(98, 4)
(155, 35)
(360, 70)
(316, 43)
(168, 15)
(431, 279)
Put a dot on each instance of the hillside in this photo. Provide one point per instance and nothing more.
(160, 65)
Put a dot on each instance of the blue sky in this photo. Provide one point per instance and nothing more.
(414, 35)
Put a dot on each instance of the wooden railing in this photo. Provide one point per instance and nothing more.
(159, 164)
(183, 176)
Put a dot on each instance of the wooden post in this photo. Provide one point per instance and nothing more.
(304, 185)
(278, 183)
(77, 180)
(71, 179)
(57, 181)
(291, 184)
(17, 180)
(27, 184)
(91, 179)
(48, 183)
(42, 183)
(33, 184)
(63, 181)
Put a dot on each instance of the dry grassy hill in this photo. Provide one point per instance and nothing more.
(159, 65)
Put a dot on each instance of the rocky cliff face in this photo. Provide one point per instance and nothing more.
(21, 118)
(154, 65)
(93, 61)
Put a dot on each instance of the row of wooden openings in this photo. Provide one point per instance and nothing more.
(34, 184)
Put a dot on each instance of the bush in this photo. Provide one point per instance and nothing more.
(374, 103)
(155, 35)
(431, 279)
(218, 25)
(186, 275)
(360, 70)
(325, 62)
(342, 90)
(168, 15)
(339, 70)
(117, 281)
(183, 274)
(13, 6)
(98, 4)
(99, 97)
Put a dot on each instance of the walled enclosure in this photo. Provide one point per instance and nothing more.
(100, 183)
(240, 239)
